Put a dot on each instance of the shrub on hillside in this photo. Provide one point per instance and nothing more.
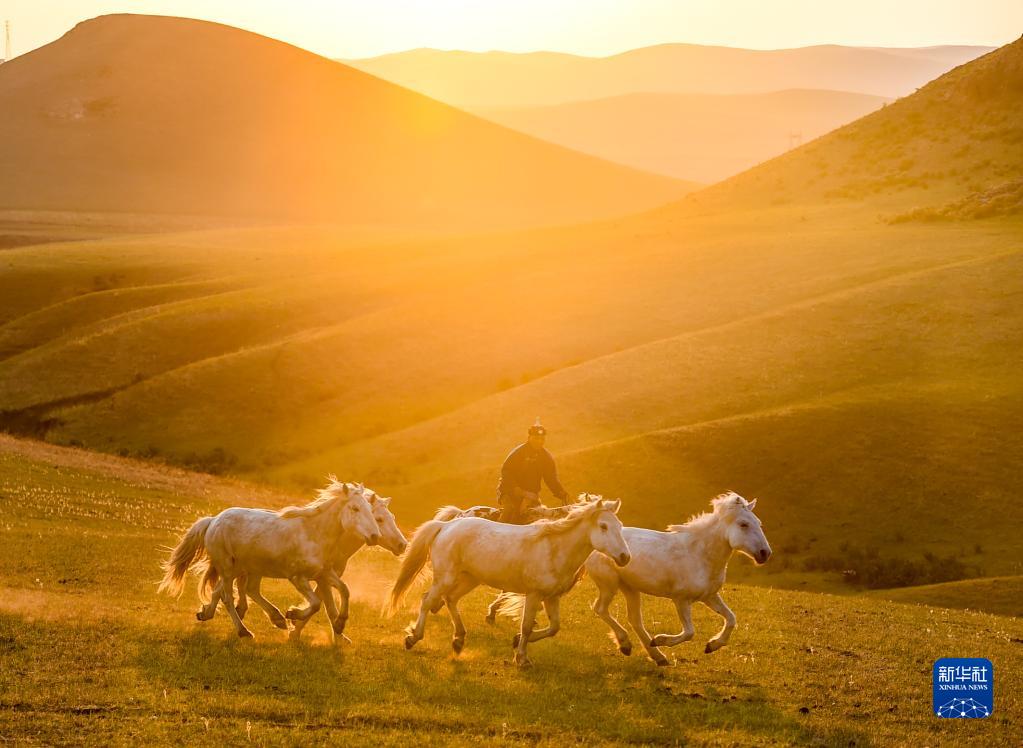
(867, 568)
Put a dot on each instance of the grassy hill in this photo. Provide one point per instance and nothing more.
(116, 117)
(485, 80)
(1000, 595)
(769, 335)
(89, 650)
(958, 134)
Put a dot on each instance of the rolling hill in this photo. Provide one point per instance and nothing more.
(703, 137)
(772, 334)
(170, 116)
(487, 80)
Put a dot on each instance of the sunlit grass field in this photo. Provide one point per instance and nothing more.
(89, 652)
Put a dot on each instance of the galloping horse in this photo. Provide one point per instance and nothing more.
(297, 544)
(539, 561)
(686, 564)
(391, 539)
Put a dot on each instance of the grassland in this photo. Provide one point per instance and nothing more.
(89, 653)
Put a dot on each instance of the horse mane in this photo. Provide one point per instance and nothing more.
(720, 504)
(588, 504)
(447, 513)
(325, 499)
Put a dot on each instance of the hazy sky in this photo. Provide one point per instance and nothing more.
(350, 28)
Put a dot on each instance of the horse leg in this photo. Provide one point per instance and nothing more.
(242, 604)
(634, 606)
(529, 609)
(716, 604)
(207, 611)
(465, 586)
(272, 612)
(340, 617)
(227, 596)
(433, 596)
(303, 614)
(606, 591)
(494, 609)
(551, 606)
(685, 615)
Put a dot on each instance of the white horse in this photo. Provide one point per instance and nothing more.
(539, 561)
(685, 564)
(297, 544)
(391, 539)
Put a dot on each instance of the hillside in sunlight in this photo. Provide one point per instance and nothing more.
(704, 137)
(486, 80)
(769, 335)
(959, 134)
(147, 114)
(90, 650)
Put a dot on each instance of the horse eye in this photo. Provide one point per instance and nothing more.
(603, 526)
(380, 521)
(744, 525)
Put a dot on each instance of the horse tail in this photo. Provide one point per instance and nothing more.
(510, 604)
(413, 562)
(209, 580)
(190, 549)
(447, 513)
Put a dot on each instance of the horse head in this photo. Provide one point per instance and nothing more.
(606, 528)
(390, 536)
(743, 528)
(356, 515)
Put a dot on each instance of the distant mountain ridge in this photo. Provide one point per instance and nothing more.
(477, 80)
(702, 137)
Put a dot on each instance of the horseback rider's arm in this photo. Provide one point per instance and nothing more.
(550, 477)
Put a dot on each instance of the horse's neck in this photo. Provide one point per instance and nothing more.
(712, 547)
(347, 546)
(325, 527)
(572, 547)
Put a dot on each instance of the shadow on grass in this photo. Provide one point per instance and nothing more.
(573, 693)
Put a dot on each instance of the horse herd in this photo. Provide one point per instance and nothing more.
(532, 564)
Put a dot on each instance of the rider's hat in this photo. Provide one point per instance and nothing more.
(537, 428)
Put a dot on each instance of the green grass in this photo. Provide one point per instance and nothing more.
(90, 654)
(1001, 595)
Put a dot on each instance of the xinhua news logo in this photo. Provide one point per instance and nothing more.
(964, 687)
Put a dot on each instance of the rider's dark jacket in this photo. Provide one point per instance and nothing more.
(524, 468)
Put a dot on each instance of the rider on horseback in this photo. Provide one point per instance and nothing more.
(523, 469)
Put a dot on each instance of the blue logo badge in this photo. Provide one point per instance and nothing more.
(964, 687)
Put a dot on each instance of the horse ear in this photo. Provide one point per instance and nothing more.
(345, 487)
(386, 502)
(613, 506)
(752, 504)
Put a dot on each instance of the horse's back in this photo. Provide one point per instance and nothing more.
(256, 540)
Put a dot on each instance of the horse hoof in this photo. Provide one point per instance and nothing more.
(409, 642)
(457, 644)
(280, 623)
(515, 641)
(245, 634)
(625, 649)
(524, 662)
(708, 649)
(663, 662)
(199, 616)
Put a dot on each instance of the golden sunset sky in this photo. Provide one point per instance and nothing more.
(350, 28)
